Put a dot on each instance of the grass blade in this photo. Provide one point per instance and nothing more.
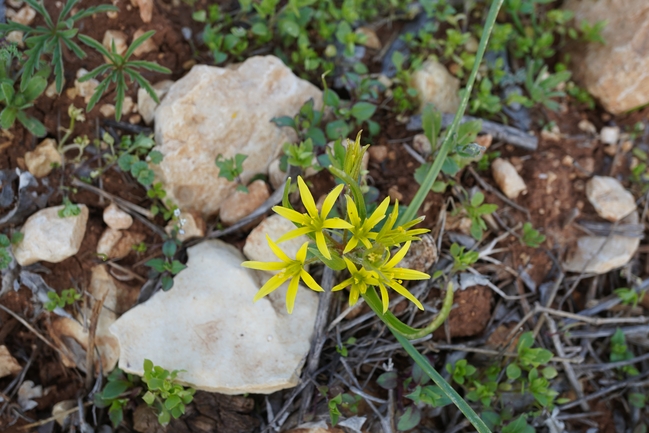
(431, 176)
(422, 362)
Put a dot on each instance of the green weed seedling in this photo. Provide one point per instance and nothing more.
(69, 209)
(68, 297)
(119, 390)
(52, 38)
(531, 237)
(342, 400)
(168, 398)
(299, 155)
(475, 209)
(118, 69)
(629, 296)
(462, 260)
(5, 244)
(132, 156)
(166, 266)
(543, 88)
(416, 387)
(231, 169)
(14, 101)
(621, 352)
(404, 95)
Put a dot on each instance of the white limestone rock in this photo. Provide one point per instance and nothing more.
(41, 161)
(212, 111)
(208, 326)
(50, 238)
(435, 85)
(117, 219)
(188, 226)
(601, 254)
(241, 203)
(609, 198)
(507, 178)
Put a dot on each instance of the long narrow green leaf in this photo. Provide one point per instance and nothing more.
(38, 7)
(57, 59)
(96, 46)
(136, 43)
(99, 91)
(119, 98)
(93, 10)
(66, 9)
(447, 389)
(75, 48)
(449, 140)
(149, 66)
(95, 72)
(135, 76)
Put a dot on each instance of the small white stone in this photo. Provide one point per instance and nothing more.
(41, 160)
(609, 198)
(116, 218)
(126, 243)
(371, 39)
(507, 178)
(609, 134)
(421, 144)
(435, 85)
(147, 47)
(127, 106)
(107, 110)
(145, 103)
(107, 241)
(146, 9)
(218, 337)
(117, 37)
(50, 92)
(188, 224)
(50, 238)
(85, 89)
(8, 364)
(587, 126)
(24, 16)
(240, 203)
(16, 37)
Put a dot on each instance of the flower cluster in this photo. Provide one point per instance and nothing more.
(357, 243)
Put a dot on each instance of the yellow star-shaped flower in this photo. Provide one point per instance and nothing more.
(292, 269)
(359, 280)
(361, 230)
(312, 221)
(392, 277)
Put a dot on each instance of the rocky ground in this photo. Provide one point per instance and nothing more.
(142, 206)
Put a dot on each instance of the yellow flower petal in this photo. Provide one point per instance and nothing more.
(331, 200)
(398, 256)
(277, 251)
(322, 245)
(353, 295)
(291, 215)
(310, 282)
(294, 233)
(385, 298)
(352, 212)
(350, 266)
(336, 223)
(271, 285)
(409, 274)
(351, 244)
(264, 266)
(342, 285)
(307, 198)
(301, 253)
(291, 293)
(405, 293)
(378, 214)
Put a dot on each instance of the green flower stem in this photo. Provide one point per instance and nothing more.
(451, 133)
(447, 389)
(372, 299)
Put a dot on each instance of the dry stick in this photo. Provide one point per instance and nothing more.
(435, 347)
(30, 327)
(612, 365)
(120, 201)
(572, 378)
(420, 159)
(53, 418)
(484, 185)
(19, 380)
(319, 338)
(126, 271)
(553, 294)
(499, 131)
(591, 320)
(629, 382)
(90, 351)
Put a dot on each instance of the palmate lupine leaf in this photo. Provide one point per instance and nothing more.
(118, 69)
(51, 38)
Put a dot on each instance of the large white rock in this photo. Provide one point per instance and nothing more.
(225, 111)
(146, 105)
(609, 198)
(240, 204)
(616, 73)
(49, 237)
(208, 325)
(601, 254)
(435, 85)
